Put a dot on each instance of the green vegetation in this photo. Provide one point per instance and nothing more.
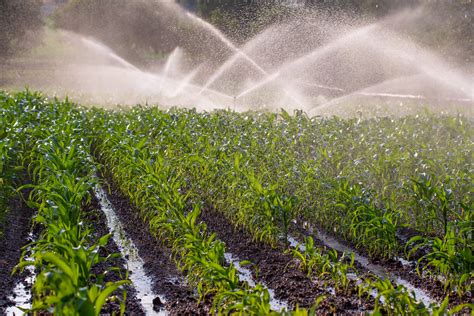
(363, 181)
(314, 261)
(348, 177)
(262, 171)
(155, 188)
(398, 300)
(12, 143)
(55, 153)
(450, 257)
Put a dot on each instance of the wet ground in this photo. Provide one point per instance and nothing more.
(273, 267)
(167, 280)
(278, 270)
(96, 218)
(399, 271)
(16, 228)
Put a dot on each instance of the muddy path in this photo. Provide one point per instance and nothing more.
(16, 234)
(278, 269)
(168, 282)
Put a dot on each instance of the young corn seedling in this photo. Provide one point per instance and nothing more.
(449, 257)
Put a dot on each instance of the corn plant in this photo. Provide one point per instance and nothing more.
(66, 282)
(197, 253)
(339, 269)
(375, 230)
(61, 170)
(450, 257)
(436, 201)
(13, 145)
(369, 226)
(393, 300)
(390, 300)
(313, 261)
(274, 211)
(352, 178)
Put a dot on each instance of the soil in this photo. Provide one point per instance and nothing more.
(278, 270)
(167, 279)
(16, 228)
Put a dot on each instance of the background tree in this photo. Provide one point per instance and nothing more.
(447, 26)
(18, 18)
(141, 29)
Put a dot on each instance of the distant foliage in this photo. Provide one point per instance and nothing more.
(17, 19)
(141, 29)
(447, 27)
(124, 25)
(138, 30)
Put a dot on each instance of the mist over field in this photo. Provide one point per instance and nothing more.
(366, 56)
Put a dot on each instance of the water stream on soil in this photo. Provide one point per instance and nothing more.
(245, 275)
(22, 291)
(294, 243)
(376, 269)
(420, 294)
(128, 250)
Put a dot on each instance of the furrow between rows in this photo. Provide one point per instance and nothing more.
(167, 283)
(151, 303)
(14, 289)
(278, 269)
(424, 292)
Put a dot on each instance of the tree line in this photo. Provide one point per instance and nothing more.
(18, 19)
(449, 30)
(141, 28)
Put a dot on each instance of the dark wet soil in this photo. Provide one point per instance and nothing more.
(96, 218)
(16, 227)
(278, 269)
(167, 280)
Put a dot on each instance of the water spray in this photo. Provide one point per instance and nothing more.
(349, 63)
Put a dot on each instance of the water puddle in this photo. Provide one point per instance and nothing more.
(420, 294)
(331, 290)
(405, 262)
(22, 292)
(294, 243)
(245, 275)
(128, 250)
